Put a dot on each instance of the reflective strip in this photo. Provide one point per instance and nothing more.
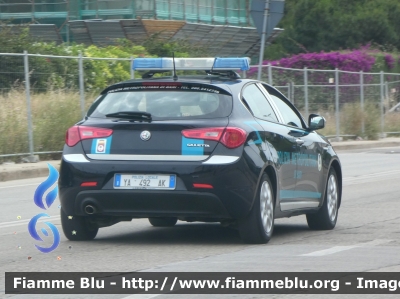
(285, 206)
(221, 160)
(213, 160)
(75, 158)
(147, 157)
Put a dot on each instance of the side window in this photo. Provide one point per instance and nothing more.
(258, 104)
(290, 117)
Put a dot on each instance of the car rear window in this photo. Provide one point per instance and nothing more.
(168, 101)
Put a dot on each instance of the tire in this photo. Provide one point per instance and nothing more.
(326, 217)
(78, 228)
(163, 222)
(258, 226)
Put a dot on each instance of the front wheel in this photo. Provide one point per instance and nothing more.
(258, 226)
(326, 217)
(78, 228)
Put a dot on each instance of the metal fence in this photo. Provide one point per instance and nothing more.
(326, 92)
(338, 94)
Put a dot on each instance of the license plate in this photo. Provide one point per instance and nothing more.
(144, 181)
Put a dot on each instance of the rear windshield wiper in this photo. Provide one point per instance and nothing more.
(132, 115)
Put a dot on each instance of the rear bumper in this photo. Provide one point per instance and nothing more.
(231, 196)
(143, 204)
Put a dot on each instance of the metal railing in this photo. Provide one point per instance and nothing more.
(326, 92)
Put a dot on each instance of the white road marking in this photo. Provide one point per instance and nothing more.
(371, 175)
(329, 250)
(17, 186)
(25, 222)
(141, 296)
(343, 248)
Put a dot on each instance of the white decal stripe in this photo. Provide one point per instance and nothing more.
(221, 159)
(285, 206)
(216, 159)
(148, 157)
(75, 158)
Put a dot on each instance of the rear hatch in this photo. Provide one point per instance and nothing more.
(163, 121)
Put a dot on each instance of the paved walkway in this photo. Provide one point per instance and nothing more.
(10, 171)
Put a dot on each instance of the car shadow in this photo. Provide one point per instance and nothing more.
(287, 229)
(185, 233)
(192, 233)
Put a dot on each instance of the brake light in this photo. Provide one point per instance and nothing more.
(78, 133)
(231, 137)
(202, 186)
(89, 184)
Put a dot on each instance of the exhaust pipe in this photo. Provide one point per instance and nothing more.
(90, 210)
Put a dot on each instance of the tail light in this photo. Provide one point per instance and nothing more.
(78, 133)
(204, 133)
(231, 137)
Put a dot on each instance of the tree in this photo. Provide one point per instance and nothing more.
(328, 25)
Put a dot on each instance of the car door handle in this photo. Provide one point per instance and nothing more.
(299, 141)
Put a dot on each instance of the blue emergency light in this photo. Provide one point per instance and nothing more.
(236, 63)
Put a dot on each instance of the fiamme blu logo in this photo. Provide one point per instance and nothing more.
(44, 203)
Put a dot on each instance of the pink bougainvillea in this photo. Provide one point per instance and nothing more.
(389, 61)
(355, 61)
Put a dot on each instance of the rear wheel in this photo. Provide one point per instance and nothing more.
(78, 228)
(258, 226)
(326, 217)
(164, 221)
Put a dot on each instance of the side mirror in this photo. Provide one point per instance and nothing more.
(315, 122)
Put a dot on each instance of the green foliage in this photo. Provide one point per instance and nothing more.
(101, 73)
(181, 48)
(329, 25)
(63, 73)
(52, 73)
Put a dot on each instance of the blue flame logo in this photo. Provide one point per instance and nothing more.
(43, 187)
(34, 234)
(38, 200)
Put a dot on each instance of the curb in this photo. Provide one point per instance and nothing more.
(26, 171)
(353, 145)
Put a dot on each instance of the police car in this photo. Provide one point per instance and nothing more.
(210, 148)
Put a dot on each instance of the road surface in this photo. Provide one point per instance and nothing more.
(366, 238)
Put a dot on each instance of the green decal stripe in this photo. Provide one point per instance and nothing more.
(284, 194)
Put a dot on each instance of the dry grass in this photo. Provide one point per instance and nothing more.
(351, 119)
(392, 122)
(52, 114)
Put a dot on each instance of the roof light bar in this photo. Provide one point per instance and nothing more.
(238, 63)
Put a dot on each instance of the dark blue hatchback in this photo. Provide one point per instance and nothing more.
(213, 147)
